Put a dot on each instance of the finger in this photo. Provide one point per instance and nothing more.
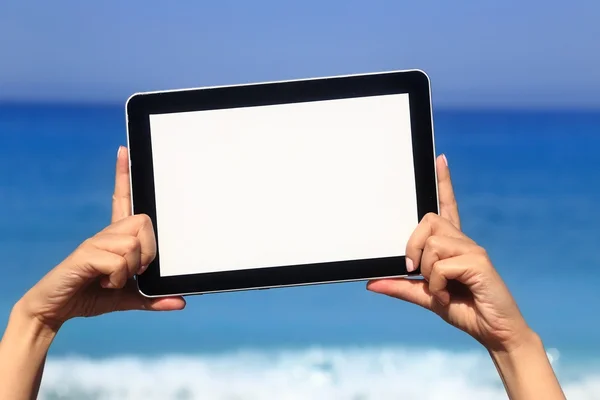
(139, 226)
(92, 262)
(166, 304)
(121, 204)
(129, 298)
(431, 224)
(411, 290)
(448, 205)
(125, 246)
(442, 247)
(437, 285)
(464, 269)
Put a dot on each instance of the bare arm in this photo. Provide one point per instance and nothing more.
(23, 351)
(97, 278)
(451, 262)
(526, 371)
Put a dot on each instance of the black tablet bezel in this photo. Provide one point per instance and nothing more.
(140, 106)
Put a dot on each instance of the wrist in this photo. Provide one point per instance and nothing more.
(528, 343)
(526, 371)
(23, 352)
(519, 335)
(26, 327)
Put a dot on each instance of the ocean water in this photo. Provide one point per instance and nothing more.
(528, 188)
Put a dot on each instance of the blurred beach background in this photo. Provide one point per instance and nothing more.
(516, 92)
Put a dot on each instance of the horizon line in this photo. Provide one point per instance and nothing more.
(440, 106)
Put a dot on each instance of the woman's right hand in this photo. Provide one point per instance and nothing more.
(460, 283)
(97, 278)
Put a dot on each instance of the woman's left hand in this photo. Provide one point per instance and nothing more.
(459, 283)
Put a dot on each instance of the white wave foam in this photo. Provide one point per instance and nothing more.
(353, 374)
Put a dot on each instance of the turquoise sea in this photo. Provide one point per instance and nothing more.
(528, 186)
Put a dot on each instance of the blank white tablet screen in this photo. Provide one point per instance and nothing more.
(282, 185)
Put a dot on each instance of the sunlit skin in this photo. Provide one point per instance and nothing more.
(458, 277)
(459, 284)
(97, 278)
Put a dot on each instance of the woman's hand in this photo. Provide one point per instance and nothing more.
(97, 278)
(460, 283)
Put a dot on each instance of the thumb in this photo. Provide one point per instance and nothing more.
(129, 298)
(412, 290)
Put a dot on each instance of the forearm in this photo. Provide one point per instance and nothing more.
(23, 352)
(527, 373)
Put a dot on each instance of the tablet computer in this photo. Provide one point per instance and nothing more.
(283, 183)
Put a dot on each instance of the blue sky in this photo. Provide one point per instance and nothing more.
(478, 53)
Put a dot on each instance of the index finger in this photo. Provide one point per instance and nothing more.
(121, 204)
(448, 205)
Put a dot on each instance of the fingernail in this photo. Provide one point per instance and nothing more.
(410, 266)
(106, 284)
(369, 283)
(445, 159)
(119, 151)
(142, 269)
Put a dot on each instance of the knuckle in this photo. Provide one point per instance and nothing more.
(142, 219)
(132, 243)
(121, 264)
(87, 244)
(480, 251)
(81, 253)
(486, 258)
(151, 254)
(483, 260)
(432, 242)
(430, 217)
(435, 268)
